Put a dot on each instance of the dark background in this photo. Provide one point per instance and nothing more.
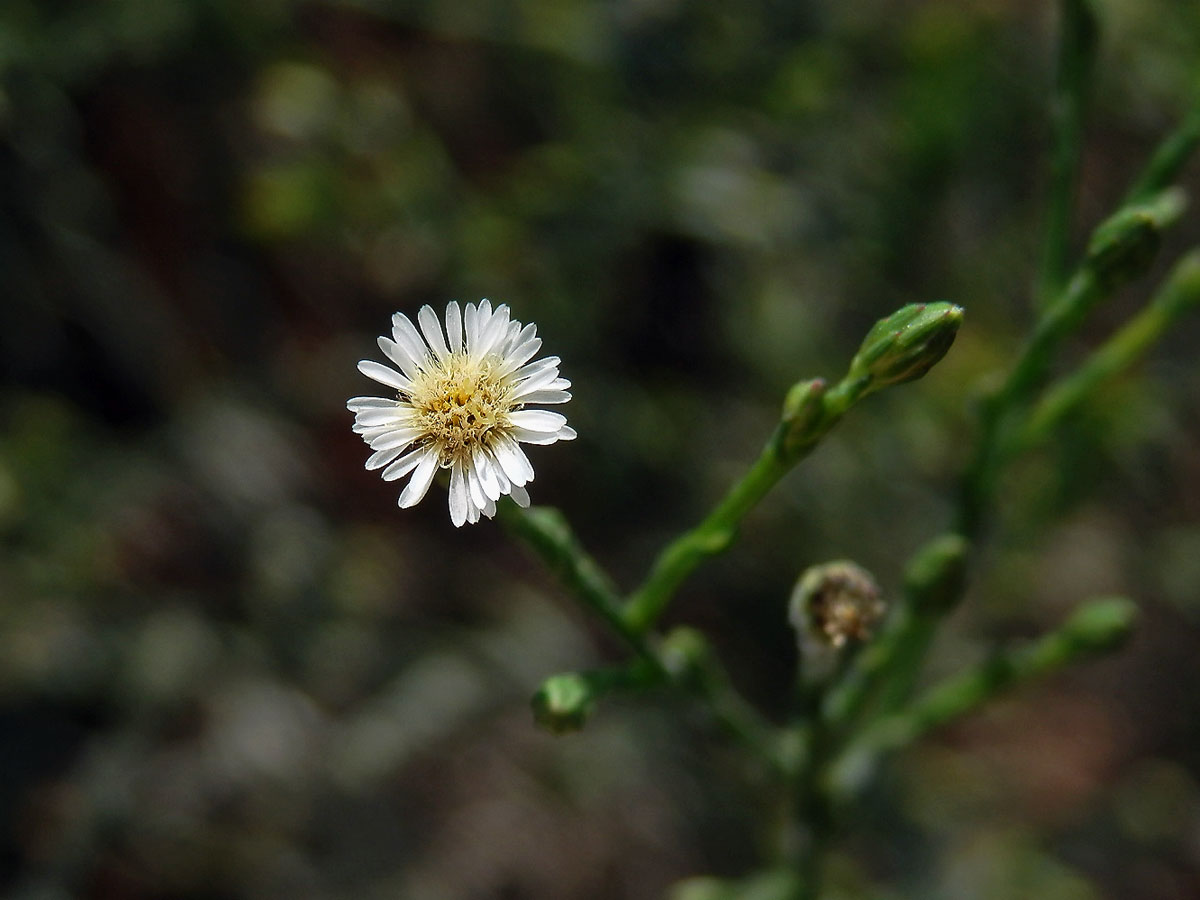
(231, 668)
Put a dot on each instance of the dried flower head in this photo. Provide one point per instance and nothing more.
(460, 405)
(836, 603)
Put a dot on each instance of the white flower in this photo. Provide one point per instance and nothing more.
(461, 405)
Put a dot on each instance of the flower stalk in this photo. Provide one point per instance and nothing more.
(899, 348)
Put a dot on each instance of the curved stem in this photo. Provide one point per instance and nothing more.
(710, 537)
(547, 532)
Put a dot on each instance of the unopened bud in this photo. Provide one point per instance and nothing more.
(937, 576)
(836, 603)
(563, 703)
(803, 415)
(906, 344)
(684, 652)
(1124, 246)
(1101, 625)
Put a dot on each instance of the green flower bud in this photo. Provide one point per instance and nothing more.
(563, 703)
(1124, 246)
(937, 576)
(684, 653)
(803, 416)
(1101, 625)
(905, 345)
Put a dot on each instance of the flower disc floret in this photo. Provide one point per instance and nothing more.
(461, 404)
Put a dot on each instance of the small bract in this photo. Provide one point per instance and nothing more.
(461, 404)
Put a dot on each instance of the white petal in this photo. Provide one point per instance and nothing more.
(521, 349)
(520, 354)
(393, 416)
(454, 329)
(526, 436)
(489, 508)
(354, 404)
(512, 460)
(485, 469)
(381, 458)
(493, 333)
(521, 496)
(510, 339)
(566, 433)
(540, 381)
(538, 420)
(497, 470)
(471, 326)
(458, 496)
(546, 396)
(483, 318)
(401, 357)
(405, 464)
(432, 329)
(405, 334)
(384, 375)
(418, 485)
(369, 434)
(478, 498)
(395, 437)
(538, 367)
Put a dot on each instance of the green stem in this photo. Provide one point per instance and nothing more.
(1076, 56)
(902, 643)
(812, 810)
(814, 815)
(1080, 295)
(736, 716)
(934, 581)
(710, 537)
(547, 532)
(549, 535)
(713, 535)
(1121, 248)
(1180, 295)
(1169, 158)
(1096, 628)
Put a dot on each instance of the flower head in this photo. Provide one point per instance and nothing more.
(836, 603)
(460, 405)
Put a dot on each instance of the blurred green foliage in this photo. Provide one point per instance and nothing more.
(230, 668)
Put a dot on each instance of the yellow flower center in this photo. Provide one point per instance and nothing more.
(458, 403)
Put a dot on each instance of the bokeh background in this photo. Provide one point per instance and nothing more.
(231, 668)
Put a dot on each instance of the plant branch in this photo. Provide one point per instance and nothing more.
(548, 534)
(1168, 159)
(1076, 58)
(1180, 295)
(934, 581)
(1121, 248)
(899, 348)
(1097, 627)
(710, 537)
